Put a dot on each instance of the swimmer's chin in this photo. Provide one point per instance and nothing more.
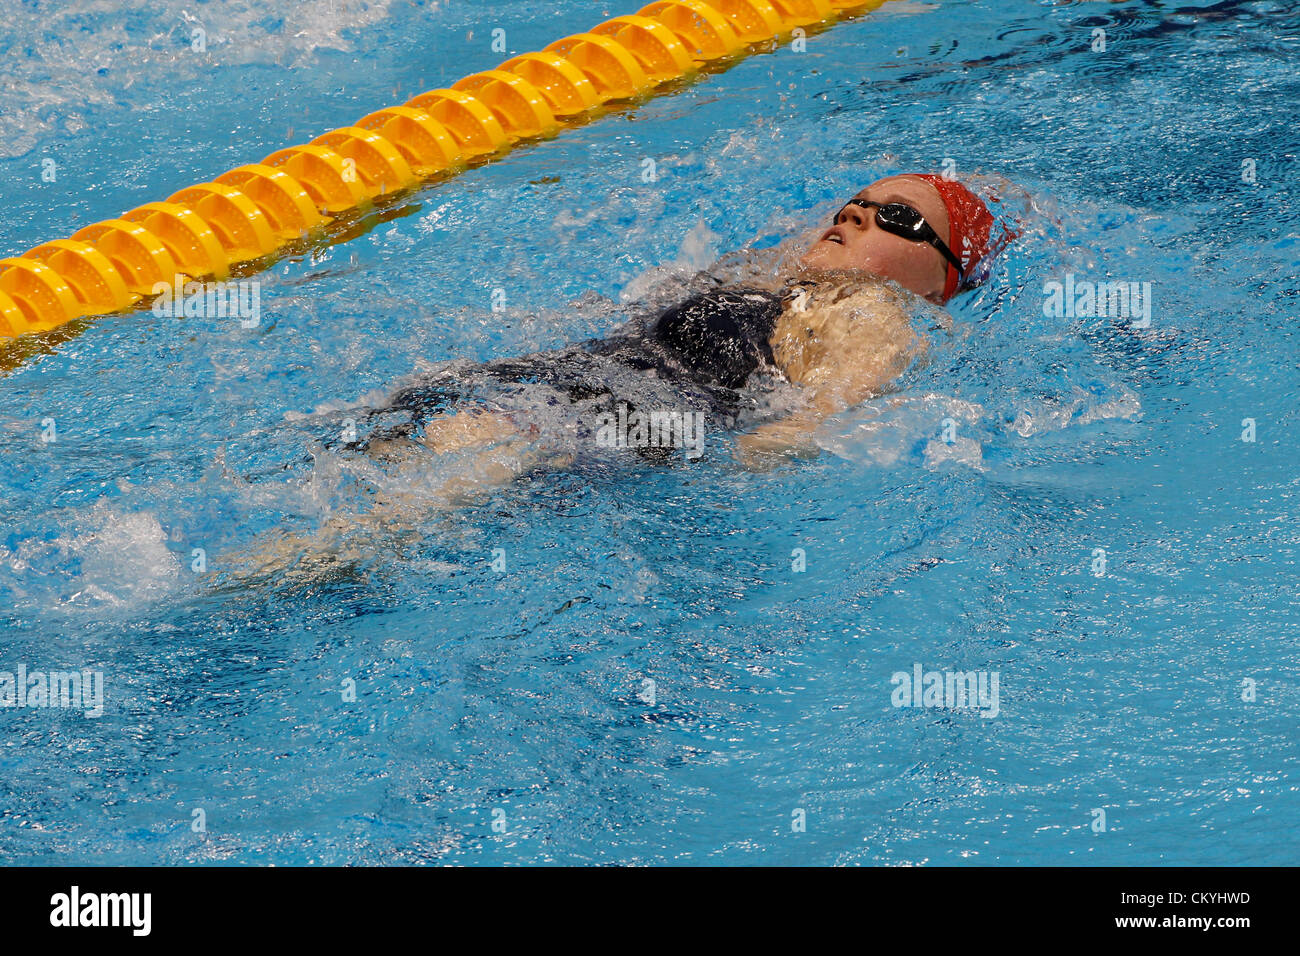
(821, 257)
(812, 268)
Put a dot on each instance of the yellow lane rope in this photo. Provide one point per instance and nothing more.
(243, 217)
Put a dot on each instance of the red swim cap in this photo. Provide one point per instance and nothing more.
(969, 226)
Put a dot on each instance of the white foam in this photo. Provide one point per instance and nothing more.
(883, 431)
(108, 559)
(1082, 408)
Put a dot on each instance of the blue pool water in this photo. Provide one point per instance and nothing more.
(519, 696)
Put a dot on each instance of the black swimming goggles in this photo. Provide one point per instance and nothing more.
(899, 219)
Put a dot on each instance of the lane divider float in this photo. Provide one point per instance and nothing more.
(248, 214)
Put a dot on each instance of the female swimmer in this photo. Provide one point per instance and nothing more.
(835, 331)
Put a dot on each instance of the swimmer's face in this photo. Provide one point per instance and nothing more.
(859, 246)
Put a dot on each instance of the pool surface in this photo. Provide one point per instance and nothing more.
(691, 663)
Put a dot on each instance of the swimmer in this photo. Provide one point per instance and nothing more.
(837, 331)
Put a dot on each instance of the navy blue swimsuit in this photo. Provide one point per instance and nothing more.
(703, 350)
(715, 339)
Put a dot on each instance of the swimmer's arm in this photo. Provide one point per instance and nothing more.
(774, 442)
(793, 436)
(862, 373)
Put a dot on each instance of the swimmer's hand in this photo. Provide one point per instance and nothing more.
(775, 442)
